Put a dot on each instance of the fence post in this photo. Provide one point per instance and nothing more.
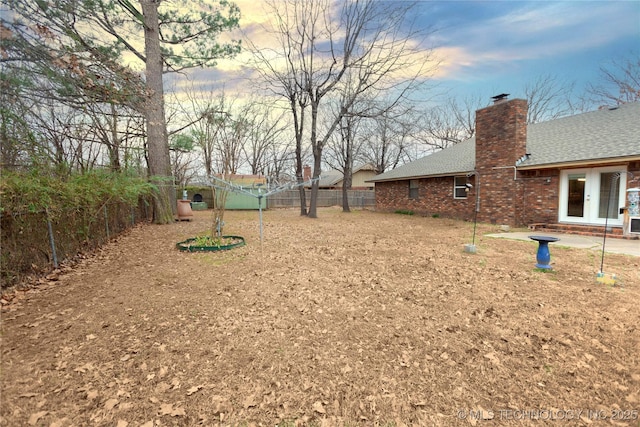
(51, 239)
(106, 221)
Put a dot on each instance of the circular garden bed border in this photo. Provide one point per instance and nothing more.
(186, 247)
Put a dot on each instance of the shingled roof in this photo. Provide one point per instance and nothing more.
(604, 135)
(333, 177)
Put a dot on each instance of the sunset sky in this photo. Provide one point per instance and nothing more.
(491, 47)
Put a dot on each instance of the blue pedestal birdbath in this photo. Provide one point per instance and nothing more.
(543, 256)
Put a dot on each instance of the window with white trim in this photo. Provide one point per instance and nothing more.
(460, 188)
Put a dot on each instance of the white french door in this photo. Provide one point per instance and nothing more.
(586, 195)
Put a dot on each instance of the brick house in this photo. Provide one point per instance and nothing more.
(568, 171)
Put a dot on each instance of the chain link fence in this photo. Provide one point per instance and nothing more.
(34, 243)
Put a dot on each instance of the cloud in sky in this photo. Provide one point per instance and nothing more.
(484, 42)
(257, 29)
(485, 37)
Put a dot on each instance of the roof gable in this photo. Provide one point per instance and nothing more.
(333, 177)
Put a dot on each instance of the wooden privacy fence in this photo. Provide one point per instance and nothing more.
(291, 198)
(358, 199)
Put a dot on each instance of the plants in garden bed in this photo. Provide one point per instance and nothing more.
(214, 240)
(206, 243)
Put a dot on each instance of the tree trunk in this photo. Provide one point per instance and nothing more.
(114, 147)
(313, 203)
(317, 158)
(298, 123)
(346, 186)
(157, 140)
(300, 178)
(348, 169)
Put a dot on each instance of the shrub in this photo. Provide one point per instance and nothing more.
(38, 191)
(82, 211)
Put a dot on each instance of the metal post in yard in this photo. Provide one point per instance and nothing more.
(106, 221)
(614, 182)
(51, 240)
(260, 215)
(228, 186)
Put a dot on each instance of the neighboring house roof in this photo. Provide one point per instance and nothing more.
(237, 179)
(329, 178)
(333, 177)
(603, 135)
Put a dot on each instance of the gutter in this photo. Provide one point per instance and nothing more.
(557, 165)
(406, 178)
(581, 163)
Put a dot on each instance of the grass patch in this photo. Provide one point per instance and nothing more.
(404, 212)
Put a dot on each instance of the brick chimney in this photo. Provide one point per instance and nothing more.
(306, 174)
(501, 139)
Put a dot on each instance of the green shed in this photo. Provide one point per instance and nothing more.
(239, 201)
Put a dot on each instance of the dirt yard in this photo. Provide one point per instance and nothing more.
(350, 319)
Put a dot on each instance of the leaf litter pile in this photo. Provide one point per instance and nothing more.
(349, 319)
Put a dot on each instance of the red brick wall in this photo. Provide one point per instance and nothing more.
(501, 139)
(540, 197)
(435, 196)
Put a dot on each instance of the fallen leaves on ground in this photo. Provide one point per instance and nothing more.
(348, 319)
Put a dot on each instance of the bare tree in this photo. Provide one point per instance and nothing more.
(389, 138)
(280, 158)
(371, 42)
(230, 143)
(447, 124)
(285, 80)
(205, 116)
(619, 82)
(17, 138)
(59, 134)
(548, 98)
(114, 127)
(265, 129)
(181, 158)
(342, 151)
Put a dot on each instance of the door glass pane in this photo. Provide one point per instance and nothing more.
(608, 195)
(575, 205)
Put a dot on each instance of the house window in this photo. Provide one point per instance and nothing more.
(413, 188)
(460, 189)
